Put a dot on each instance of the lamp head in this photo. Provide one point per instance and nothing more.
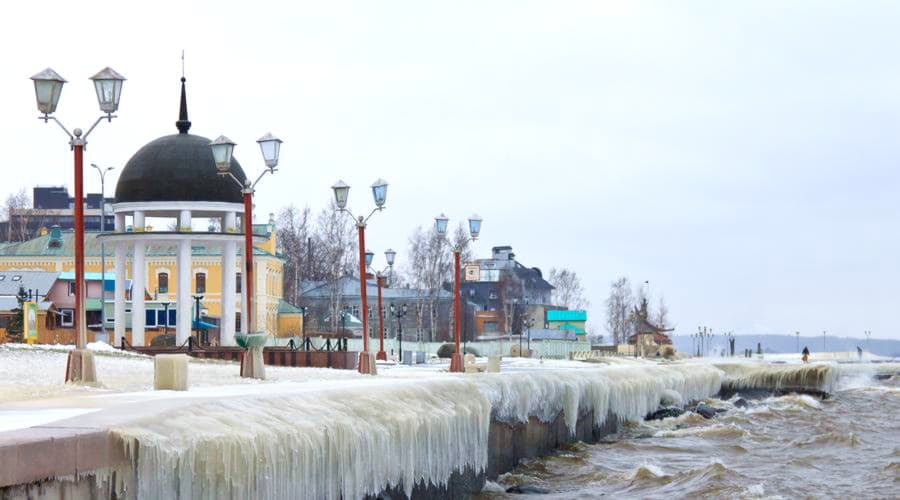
(475, 226)
(369, 255)
(108, 85)
(222, 150)
(379, 192)
(341, 193)
(271, 149)
(47, 89)
(390, 255)
(440, 224)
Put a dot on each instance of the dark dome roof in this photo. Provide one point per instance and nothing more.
(178, 167)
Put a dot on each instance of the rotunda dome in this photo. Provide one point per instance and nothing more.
(178, 167)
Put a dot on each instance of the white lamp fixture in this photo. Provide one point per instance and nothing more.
(440, 224)
(222, 150)
(379, 192)
(475, 226)
(271, 149)
(47, 89)
(389, 255)
(108, 85)
(369, 256)
(341, 193)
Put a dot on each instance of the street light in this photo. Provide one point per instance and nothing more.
(223, 151)
(341, 195)
(102, 172)
(399, 313)
(47, 90)
(440, 225)
(389, 255)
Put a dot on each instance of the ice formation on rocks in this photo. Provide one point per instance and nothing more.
(361, 439)
(818, 377)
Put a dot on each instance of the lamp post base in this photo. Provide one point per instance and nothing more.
(252, 365)
(80, 367)
(367, 364)
(456, 363)
(381, 356)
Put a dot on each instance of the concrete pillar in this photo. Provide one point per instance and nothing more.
(119, 294)
(139, 280)
(229, 259)
(184, 316)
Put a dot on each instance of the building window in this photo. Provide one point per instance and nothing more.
(71, 288)
(162, 282)
(493, 296)
(3, 278)
(237, 283)
(66, 317)
(200, 283)
(17, 278)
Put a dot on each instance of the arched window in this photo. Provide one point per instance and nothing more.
(200, 283)
(237, 283)
(162, 280)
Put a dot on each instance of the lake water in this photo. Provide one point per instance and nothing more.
(795, 446)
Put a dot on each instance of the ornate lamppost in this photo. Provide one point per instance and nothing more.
(440, 225)
(379, 193)
(102, 172)
(47, 89)
(389, 256)
(222, 150)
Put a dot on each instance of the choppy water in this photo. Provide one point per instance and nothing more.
(781, 447)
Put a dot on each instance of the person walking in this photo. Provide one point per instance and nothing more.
(805, 354)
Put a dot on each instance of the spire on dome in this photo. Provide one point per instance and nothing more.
(183, 124)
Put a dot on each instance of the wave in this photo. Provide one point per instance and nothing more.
(711, 431)
(848, 439)
(817, 377)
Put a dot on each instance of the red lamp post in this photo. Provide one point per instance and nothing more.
(440, 224)
(379, 193)
(223, 149)
(47, 88)
(379, 279)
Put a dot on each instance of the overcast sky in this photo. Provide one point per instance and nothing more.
(738, 155)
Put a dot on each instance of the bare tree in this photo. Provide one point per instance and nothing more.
(568, 291)
(661, 316)
(429, 266)
(511, 291)
(336, 247)
(295, 242)
(17, 229)
(618, 310)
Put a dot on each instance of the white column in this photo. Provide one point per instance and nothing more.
(119, 295)
(184, 221)
(229, 258)
(138, 284)
(138, 223)
(183, 324)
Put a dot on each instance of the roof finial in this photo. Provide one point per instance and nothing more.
(183, 124)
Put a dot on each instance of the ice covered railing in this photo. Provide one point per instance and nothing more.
(807, 378)
(358, 437)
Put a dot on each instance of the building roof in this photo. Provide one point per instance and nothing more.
(11, 281)
(178, 167)
(8, 304)
(348, 286)
(286, 308)
(566, 315)
(572, 328)
(40, 246)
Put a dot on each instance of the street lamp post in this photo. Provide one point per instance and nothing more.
(798, 341)
(379, 193)
(868, 334)
(102, 172)
(399, 313)
(222, 150)
(389, 255)
(47, 88)
(440, 224)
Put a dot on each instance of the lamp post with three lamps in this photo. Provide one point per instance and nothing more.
(47, 88)
(379, 193)
(223, 150)
(440, 225)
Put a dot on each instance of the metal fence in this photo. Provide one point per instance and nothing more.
(549, 349)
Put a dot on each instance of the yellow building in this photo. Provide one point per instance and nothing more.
(52, 251)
